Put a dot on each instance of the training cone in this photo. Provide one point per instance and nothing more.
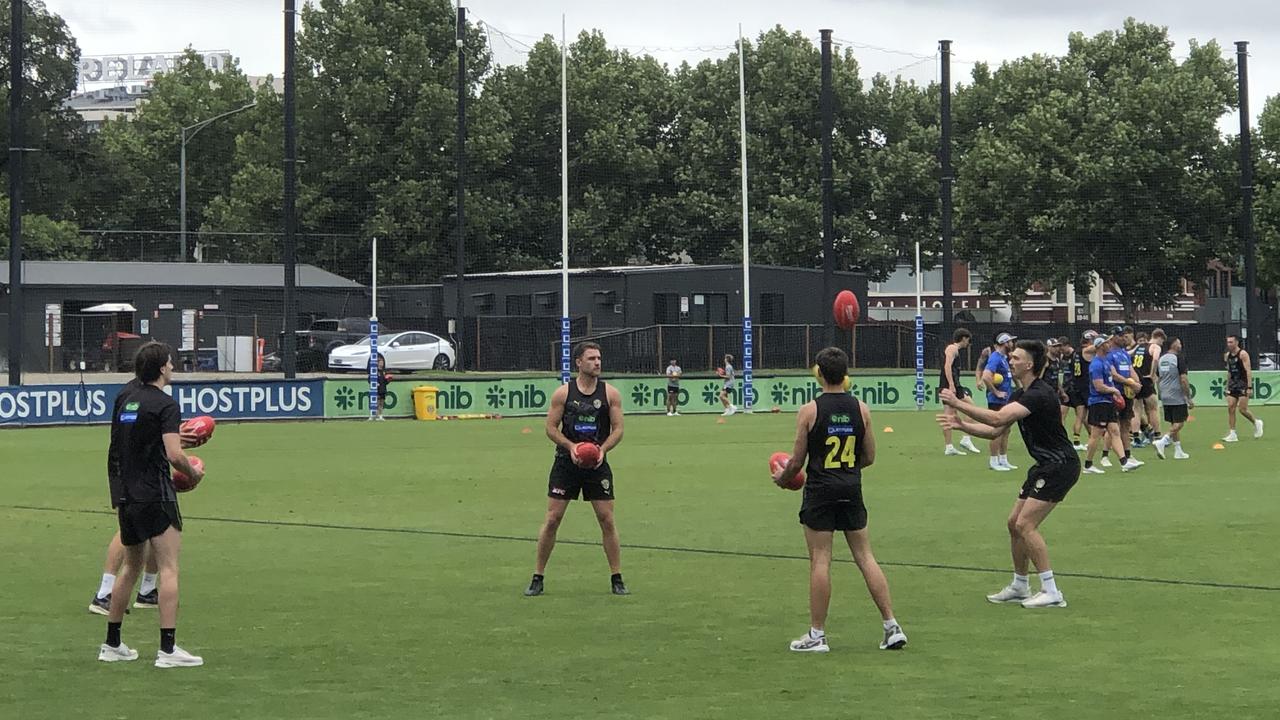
(888, 429)
(720, 421)
(1191, 418)
(1219, 446)
(525, 431)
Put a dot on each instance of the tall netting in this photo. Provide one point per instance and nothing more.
(1094, 184)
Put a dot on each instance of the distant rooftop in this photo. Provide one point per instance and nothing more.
(169, 274)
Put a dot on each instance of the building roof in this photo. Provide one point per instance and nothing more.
(169, 274)
(635, 270)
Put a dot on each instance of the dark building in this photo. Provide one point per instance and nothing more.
(619, 297)
(95, 311)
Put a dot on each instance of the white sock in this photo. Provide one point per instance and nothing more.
(890, 624)
(1177, 444)
(815, 633)
(104, 588)
(950, 446)
(1047, 583)
(1020, 581)
(1004, 459)
(148, 583)
(995, 461)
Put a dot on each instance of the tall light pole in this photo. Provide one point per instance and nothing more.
(182, 170)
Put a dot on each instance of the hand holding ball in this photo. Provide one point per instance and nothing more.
(197, 431)
(181, 482)
(586, 454)
(777, 462)
(1119, 401)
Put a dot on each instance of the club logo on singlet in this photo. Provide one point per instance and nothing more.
(130, 413)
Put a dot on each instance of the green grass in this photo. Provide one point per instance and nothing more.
(386, 583)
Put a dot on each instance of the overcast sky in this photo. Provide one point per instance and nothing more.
(991, 30)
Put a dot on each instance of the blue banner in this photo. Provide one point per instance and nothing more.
(84, 404)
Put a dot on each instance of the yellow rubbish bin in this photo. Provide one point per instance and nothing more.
(424, 402)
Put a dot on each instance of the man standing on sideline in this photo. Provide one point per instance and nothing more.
(1175, 394)
(998, 396)
(1121, 367)
(1146, 358)
(673, 388)
(1054, 366)
(1104, 430)
(948, 378)
(834, 433)
(726, 397)
(1034, 407)
(585, 410)
(1078, 393)
(1239, 388)
(145, 441)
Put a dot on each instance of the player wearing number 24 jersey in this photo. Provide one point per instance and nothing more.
(833, 432)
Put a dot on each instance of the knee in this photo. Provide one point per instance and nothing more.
(1012, 524)
(552, 521)
(1022, 527)
(606, 521)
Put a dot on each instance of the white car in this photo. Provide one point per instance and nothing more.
(1269, 361)
(413, 350)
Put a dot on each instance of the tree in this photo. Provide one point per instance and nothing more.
(55, 171)
(1102, 160)
(46, 239)
(142, 153)
(1267, 202)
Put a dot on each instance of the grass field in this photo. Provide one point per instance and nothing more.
(360, 570)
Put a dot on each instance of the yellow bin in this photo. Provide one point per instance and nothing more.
(424, 402)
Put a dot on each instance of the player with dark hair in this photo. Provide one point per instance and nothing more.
(1175, 394)
(145, 441)
(1121, 368)
(585, 410)
(1078, 390)
(674, 373)
(998, 395)
(1034, 407)
(1146, 358)
(1239, 388)
(834, 433)
(949, 377)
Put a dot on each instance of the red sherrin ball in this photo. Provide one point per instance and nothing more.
(779, 460)
(846, 309)
(588, 454)
(181, 482)
(202, 427)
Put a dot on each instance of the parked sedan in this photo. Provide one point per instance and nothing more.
(411, 350)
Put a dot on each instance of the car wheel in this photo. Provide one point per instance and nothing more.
(441, 362)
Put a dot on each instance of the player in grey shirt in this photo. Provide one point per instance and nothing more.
(673, 388)
(1175, 395)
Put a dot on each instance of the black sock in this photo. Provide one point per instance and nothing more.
(1088, 463)
(537, 577)
(615, 578)
(166, 639)
(113, 634)
(1126, 456)
(1104, 453)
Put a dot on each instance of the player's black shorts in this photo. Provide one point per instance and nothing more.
(673, 392)
(961, 391)
(139, 522)
(1175, 413)
(1102, 414)
(1050, 482)
(1237, 390)
(995, 406)
(568, 481)
(1079, 394)
(834, 508)
(1074, 399)
(1148, 388)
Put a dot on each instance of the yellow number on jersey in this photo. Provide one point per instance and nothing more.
(841, 455)
(1137, 361)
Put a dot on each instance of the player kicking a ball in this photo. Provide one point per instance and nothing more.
(585, 410)
(834, 433)
(1034, 406)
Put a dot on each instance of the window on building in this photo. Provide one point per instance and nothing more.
(482, 303)
(546, 303)
(666, 308)
(519, 305)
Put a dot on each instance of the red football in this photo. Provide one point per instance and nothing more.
(1119, 401)
(181, 482)
(201, 427)
(846, 309)
(779, 460)
(588, 454)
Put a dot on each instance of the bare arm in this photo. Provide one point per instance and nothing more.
(1186, 390)
(805, 417)
(957, 422)
(1248, 372)
(1002, 418)
(554, 415)
(615, 421)
(178, 458)
(1103, 388)
(868, 455)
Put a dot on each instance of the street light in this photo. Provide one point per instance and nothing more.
(182, 170)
